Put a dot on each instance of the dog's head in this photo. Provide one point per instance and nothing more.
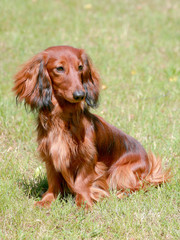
(62, 72)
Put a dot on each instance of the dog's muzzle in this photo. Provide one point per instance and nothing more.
(79, 95)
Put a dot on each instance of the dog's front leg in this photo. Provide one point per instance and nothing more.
(55, 186)
(90, 185)
(82, 190)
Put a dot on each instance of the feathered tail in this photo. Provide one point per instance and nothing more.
(156, 175)
(124, 179)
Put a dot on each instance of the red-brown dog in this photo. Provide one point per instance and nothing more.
(81, 151)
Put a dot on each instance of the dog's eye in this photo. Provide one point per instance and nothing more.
(80, 68)
(60, 69)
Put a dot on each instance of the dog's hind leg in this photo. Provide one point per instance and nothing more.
(127, 174)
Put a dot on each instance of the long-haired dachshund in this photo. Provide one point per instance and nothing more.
(81, 151)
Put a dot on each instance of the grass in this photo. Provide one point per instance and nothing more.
(135, 46)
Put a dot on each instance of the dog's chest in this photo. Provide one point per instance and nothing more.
(67, 150)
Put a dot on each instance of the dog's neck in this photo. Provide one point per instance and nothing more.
(66, 115)
(68, 112)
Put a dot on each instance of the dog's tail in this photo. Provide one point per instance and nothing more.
(156, 175)
(124, 179)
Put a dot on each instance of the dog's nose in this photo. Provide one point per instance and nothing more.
(78, 95)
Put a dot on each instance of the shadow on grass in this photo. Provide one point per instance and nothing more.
(34, 187)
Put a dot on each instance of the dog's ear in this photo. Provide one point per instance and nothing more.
(33, 84)
(91, 81)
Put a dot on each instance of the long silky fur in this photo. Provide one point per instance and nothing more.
(81, 151)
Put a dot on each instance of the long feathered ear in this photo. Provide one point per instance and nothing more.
(91, 81)
(33, 84)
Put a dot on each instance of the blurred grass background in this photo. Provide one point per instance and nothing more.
(135, 45)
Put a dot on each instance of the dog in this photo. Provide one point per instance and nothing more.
(81, 151)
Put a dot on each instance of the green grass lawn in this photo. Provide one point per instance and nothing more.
(135, 45)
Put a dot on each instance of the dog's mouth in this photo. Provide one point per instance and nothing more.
(75, 97)
(74, 101)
